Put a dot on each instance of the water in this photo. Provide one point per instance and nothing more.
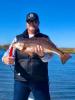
(61, 79)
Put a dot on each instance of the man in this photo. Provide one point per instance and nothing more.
(30, 73)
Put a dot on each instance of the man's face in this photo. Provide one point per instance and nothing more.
(32, 26)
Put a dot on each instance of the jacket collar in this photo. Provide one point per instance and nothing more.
(25, 33)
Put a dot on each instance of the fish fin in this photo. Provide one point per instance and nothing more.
(65, 57)
(28, 52)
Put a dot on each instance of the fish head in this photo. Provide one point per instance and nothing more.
(18, 45)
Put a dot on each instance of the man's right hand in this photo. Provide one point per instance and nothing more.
(8, 60)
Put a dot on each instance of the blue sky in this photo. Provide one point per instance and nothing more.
(57, 19)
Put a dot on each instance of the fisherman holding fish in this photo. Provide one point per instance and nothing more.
(31, 62)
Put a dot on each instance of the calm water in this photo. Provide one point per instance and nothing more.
(61, 79)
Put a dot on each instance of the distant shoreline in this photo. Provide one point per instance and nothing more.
(67, 50)
(4, 46)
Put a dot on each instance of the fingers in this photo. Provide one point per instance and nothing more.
(10, 60)
(39, 50)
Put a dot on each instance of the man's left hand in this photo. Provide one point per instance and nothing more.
(39, 50)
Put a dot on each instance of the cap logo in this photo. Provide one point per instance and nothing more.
(31, 15)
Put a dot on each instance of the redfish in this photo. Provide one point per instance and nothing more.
(49, 47)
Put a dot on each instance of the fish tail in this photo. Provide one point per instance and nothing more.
(65, 57)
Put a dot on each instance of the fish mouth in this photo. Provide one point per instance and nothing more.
(18, 46)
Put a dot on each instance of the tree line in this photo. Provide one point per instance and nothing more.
(6, 46)
(67, 50)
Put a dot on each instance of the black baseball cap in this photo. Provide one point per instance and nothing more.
(32, 17)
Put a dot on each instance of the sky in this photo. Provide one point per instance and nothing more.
(57, 19)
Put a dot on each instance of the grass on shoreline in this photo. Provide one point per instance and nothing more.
(67, 50)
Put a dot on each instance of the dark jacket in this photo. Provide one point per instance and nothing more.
(30, 68)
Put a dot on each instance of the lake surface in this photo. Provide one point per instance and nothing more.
(61, 79)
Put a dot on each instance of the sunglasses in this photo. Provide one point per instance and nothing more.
(32, 21)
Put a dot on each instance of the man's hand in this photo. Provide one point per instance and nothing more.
(8, 60)
(39, 50)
